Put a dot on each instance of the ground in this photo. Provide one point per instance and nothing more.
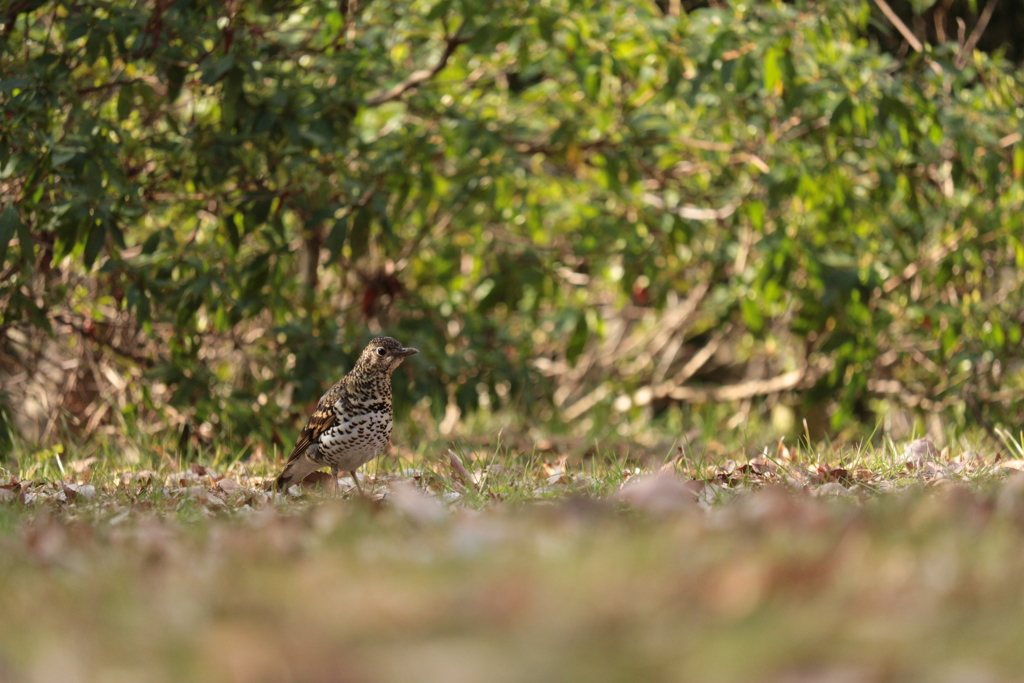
(898, 563)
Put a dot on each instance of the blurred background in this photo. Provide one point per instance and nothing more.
(609, 219)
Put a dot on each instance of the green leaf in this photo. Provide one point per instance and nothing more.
(151, 243)
(175, 79)
(61, 155)
(93, 245)
(438, 10)
(752, 316)
(380, 205)
(25, 242)
(231, 98)
(115, 233)
(139, 302)
(773, 72)
(125, 101)
(755, 211)
(579, 338)
(336, 239)
(231, 225)
(96, 41)
(359, 237)
(92, 175)
(10, 222)
(216, 70)
(8, 85)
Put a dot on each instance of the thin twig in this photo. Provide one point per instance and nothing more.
(896, 388)
(939, 253)
(734, 392)
(900, 26)
(968, 47)
(700, 358)
(906, 32)
(694, 213)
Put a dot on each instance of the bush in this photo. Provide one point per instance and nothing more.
(563, 205)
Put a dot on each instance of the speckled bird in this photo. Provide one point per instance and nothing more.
(351, 424)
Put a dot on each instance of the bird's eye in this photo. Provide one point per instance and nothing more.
(381, 351)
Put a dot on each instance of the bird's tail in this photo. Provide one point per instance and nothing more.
(295, 471)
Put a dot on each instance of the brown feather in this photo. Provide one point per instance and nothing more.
(319, 422)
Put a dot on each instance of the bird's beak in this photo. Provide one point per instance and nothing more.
(407, 352)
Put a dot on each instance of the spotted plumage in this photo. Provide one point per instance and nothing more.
(351, 424)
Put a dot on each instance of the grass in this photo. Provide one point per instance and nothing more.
(803, 564)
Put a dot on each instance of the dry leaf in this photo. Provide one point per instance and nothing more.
(80, 466)
(919, 452)
(70, 492)
(832, 474)
(199, 470)
(659, 493)
(557, 467)
(415, 504)
(228, 485)
(324, 480)
(831, 489)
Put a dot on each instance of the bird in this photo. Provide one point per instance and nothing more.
(351, 423)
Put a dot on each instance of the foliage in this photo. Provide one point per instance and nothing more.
(228, 199)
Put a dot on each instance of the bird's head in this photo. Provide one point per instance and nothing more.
(382, 355)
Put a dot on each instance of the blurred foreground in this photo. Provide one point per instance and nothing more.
(788, 567)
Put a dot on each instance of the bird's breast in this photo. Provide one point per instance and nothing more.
(357, 437)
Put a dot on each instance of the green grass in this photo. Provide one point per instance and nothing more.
(805, 564)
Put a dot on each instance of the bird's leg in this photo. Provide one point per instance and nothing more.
(334, 478)
(353, 473)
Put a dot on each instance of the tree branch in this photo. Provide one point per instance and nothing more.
(92, 336)
(900, 26)
(940, 252)
(694, 213)
(905, 32)
(731, 392)
(108, 86)
(417, 77)
(968, 47)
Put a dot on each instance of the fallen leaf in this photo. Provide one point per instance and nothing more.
(70, 492)
(919, 452)
(833, 474)
(323, 480)
(557, 467)
(228, 485)
(415, 504)
(659, 493)
(831, 489)
(80, 466)
(197, 469)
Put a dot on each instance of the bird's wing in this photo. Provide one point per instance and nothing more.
(322, 419)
